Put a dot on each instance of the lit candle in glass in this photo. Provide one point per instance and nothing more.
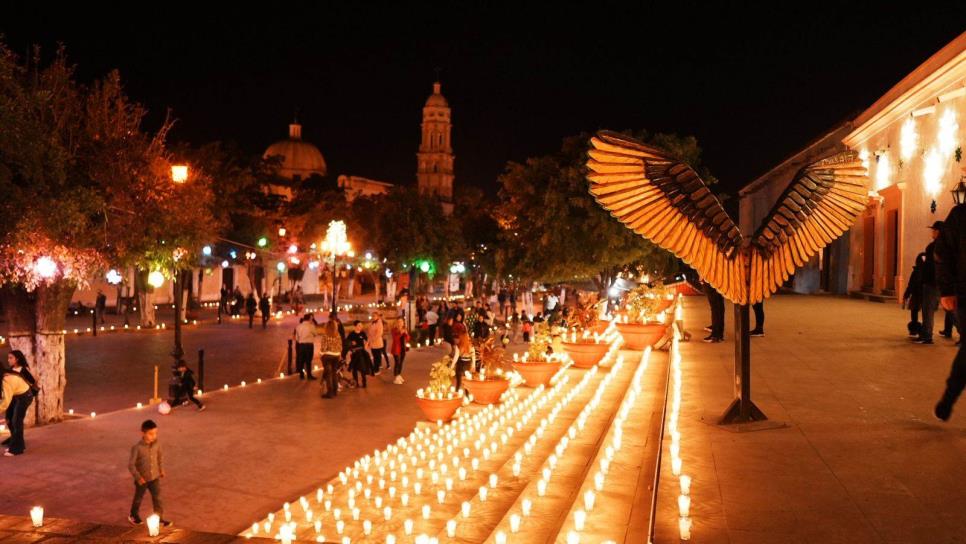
(685, 484)
(37, 516)
(515, 523)
(684, 526)
(154, 524)
(589, 498)
(580, 517)
(684, 505)
(451, 528)
(526, 505)
(339, 526)
(367, 527)
(465, 509)
(408, 527)
(387, 513)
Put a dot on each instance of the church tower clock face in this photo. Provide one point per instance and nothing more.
(434, 172)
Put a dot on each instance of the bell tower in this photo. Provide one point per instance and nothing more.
(434, 170)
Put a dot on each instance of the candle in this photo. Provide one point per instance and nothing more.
(514, 523)
(408, 527)
(527, 504)
(483, 494)
(684, 505)
(440, 496)
(390, 539)
(589, 498)
(676, 466)
(684, 526)
(154, 524)
(339, 526)
(404, 498)
(573, 537)
(378, 502)
(500, 537)
(37, 516)
(426, 511)
(580, 517)
(337, 513)
(542, 488)
(685, 484)
(451, 528)
(387, 513)
(465, 509)
(493, 480)
(355, 514)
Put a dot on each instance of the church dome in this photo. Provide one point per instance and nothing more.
(436, 99)
(300, 159)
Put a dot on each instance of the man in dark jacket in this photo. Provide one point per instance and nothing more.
(265, 307)
(930, 294)
(950, 256)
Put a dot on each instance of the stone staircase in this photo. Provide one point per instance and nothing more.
(573, 462)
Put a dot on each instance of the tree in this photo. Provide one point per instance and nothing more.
(82, 187)
(552, 230)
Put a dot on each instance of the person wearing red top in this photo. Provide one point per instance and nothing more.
(400, 339)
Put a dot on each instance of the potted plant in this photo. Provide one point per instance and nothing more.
(440, 400)
(644, 323)
(586, 349)
(488, 385)
(540, 363)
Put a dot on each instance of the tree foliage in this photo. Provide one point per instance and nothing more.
(552, 230)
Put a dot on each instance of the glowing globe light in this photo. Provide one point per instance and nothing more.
(114, 277)
(280, 266)
(45, 267)
(206, 251)
(225, 264)
(155, 279)
(424, 266)
(262, 242)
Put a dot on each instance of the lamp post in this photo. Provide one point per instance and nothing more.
(179, 175)
(337, 244)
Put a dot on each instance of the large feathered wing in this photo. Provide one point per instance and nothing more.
(821, 203)
(665, 201)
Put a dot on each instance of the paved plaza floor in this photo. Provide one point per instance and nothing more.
(254, 448)
(861, 458)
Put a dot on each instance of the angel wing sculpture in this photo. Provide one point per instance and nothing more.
(665, 201)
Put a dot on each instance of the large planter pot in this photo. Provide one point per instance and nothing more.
(537, 374)
(486, 391)
(439, 410)
(600, 327)
(585, 354)
(639, 337)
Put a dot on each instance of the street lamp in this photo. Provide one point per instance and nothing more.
(337, 244)
(959, 192)
(179, 174)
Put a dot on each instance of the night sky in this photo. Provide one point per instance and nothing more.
(753, 86)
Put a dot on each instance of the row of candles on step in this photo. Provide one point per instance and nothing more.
(411, 457)
(589, 497)
(684, 481)
(429, 450)
(611, 453)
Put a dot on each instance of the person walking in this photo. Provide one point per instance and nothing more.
(251, 306)
(759, 309)
(432, 323)
(305, 346)
(716, 301)
(930, 292)
(912, 296)
(188, 386)
(462, 357)
(223, 300)
(400, 339)
(330, 347)
(265, 307)
(377, 342)
(950, 260)
(527, 328)
(17, 390)
(239, 301)
(357, 341)
(100, 305)
(146, 464)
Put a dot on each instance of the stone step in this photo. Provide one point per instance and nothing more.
(549, 513)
